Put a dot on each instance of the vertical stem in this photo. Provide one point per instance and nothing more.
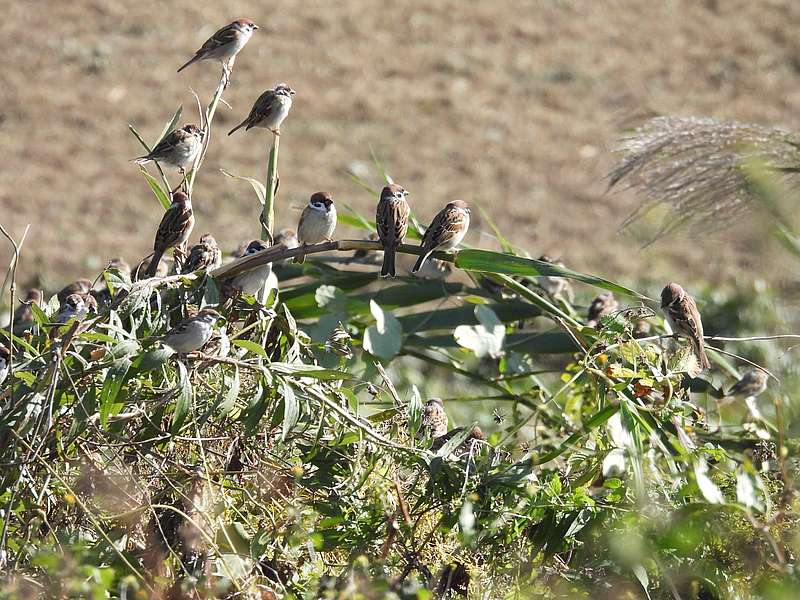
(210, 110)
(268, 211)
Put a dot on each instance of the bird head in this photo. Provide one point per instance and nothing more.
(284, 90)
(671, 294)
(321, 201)
(393, 192)
(255, 246)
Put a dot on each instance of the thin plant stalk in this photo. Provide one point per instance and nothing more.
(211, 109)
(268, 210)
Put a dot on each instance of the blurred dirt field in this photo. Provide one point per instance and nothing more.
(512, 105)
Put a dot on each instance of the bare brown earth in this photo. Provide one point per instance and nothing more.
(512, 105)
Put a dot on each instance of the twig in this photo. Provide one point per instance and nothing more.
(280, 252)
(206, 117)
(12, 271)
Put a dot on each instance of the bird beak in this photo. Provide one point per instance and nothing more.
(255, 26)
(291, 91)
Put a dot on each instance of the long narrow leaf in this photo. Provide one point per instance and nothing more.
(485, 261)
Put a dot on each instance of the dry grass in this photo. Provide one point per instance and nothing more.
(513, 105)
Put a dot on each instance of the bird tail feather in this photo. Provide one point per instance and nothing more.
(387, 270)
(238, 127)
(191, 61)
(421, 261)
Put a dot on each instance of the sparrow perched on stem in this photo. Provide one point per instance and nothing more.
(601, 306)
(204, 255)
(434, 419)
(287, 237)
(752, 383)
(684, 319)
(178, 149)
(192, 333)
(5, 359)
(269, 110)
(224, 45)
(23, 314)
(120, 265)
(175, 228)
(445, 232)
(317, 222)
(391, 219)
(76, 306)
(79, 286)
(250, 282)
(557, 287)
(475, 435)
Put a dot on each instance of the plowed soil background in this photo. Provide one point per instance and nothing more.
(512, 105)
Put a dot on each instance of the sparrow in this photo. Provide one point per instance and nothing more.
(178, 149)
(445, 232)
(23, 314)
(601, 306)
(269, 110)
(79, 286)
(250, 282)
(204, 255)
(175, 228)
(684, 319)
(752, 383)
(192, 333)
(475, 434)
(5, 359)
(434, 419)
(317, 222)
(391, 219)
(76, 306)
(141, 270)
(224, 45)
(557, 287)
(641, 329)
(120, 265)
(287, 237)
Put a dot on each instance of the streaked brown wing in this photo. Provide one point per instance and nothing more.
(400, 211)
(222, 37)
(173, 226)
(262, 106)
(167, 145)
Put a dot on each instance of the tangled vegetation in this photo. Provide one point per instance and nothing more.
(289, 459)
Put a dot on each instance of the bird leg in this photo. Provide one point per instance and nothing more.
(227, 69)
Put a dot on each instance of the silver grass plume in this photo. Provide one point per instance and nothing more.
(700, 169)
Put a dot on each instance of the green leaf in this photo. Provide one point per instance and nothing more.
(485, 261)
(231, 395)
(259, 188)
(173, 123)
(385, 338)
(153, 359)
(414, 411)
(115, 379)
(291, 409)
(485, 339)
(251, 346)
(184, 400)
(708, 488)
(161, 195)
(312, 371)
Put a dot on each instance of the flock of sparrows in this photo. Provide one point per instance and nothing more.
(181, 147)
